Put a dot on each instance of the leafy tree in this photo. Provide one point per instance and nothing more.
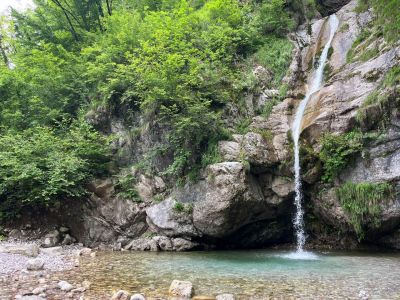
(40, 166)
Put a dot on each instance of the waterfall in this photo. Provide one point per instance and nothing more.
(315, 85)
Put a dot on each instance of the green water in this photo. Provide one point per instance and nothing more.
(249, 274)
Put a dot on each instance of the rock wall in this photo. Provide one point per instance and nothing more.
(246, 200)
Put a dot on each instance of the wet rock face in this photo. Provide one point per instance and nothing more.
(223, 207)
(328, 7)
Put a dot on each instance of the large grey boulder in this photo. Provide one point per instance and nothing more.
(65, 286)
(258, 150)
(226, 200)
(142, 244)
(22, 249)
(180, 244)
(167, 220)
(231, 198)
(51, 239)
(35, 264)
(182, 289)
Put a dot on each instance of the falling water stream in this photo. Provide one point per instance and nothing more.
(315, 85)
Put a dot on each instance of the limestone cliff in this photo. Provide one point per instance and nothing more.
(246, 200)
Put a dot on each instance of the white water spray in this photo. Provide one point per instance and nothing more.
(315, 85)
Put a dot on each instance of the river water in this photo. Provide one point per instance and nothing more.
(254, 274)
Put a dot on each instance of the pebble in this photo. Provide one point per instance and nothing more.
(85, 252)
(39, 290)
(79, 290)
(35, 264)
(65, 286)
(138, 297)
(86, 284)
(121, 295)
(225, 297)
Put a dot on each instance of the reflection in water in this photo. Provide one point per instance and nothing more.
(245, 273)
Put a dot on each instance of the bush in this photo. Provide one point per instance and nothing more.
(363, 202)
(125, 187)
(336, 152)
(274, 18)
(39, 167)
(275, 54)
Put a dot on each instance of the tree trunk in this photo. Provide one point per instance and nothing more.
(72, 28)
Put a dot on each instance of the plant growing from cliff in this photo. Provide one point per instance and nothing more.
(158, 198)
(384, 98)
(211, 155)
(275, 55)
(179, 207)
(337, 151)
(362, 201)
(125, 187)
(183, 207)
(269, 106)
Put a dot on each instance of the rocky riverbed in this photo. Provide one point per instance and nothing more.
(75, 272)
(33, 272)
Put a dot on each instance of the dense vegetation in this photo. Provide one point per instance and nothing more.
(337, 151)
(171, 64)
(387, 16)
(363, 202)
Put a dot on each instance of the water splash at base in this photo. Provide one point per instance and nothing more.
(301, 255)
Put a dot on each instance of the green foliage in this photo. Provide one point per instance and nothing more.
(362, 6)
(392, 78)
(158, 198)
(173, 63)
(330, 52)
(336, 152)
(388, 17)
(275, 54)
(362, 201)
(178, 206)
(267, 109)
(243, 126)
(125, 187)
(183, 207)
(361, 38)
(381, 98)
(40, 166)
(211, 156)
(327, 71)
(345, 27)
(310, 8)
(273, 18)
